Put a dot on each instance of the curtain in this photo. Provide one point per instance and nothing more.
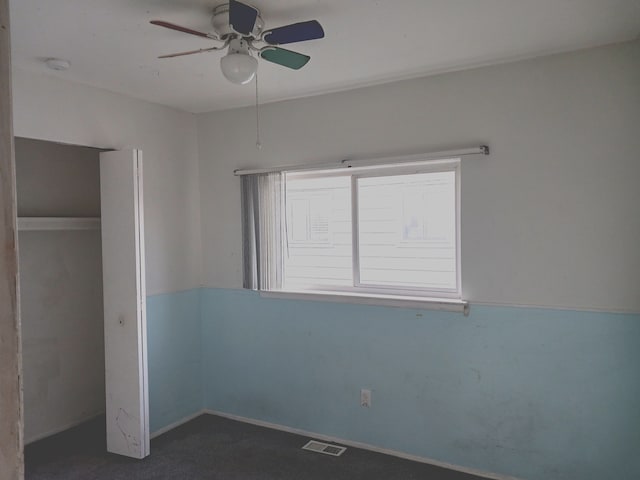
(262, 230)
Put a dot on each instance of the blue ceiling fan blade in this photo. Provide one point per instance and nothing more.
(242, 18)
(296, 32)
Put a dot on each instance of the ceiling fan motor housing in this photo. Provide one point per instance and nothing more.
(239, 45)
(220, 23)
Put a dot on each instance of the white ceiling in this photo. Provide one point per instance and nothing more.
(111, 44)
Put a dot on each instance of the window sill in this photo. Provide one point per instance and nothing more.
(425, 303)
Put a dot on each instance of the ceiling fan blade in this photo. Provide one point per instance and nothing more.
(296, 32)
(283, 57)
(173, 26)
(190, 52)
(242, 18)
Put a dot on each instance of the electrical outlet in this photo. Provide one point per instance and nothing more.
(365, 398)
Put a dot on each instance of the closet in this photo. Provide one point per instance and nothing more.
(61, 291)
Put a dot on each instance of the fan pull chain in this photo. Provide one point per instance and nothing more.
(258, 144)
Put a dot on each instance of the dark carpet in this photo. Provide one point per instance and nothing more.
(212, 447)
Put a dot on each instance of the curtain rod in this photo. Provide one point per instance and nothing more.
(347, 163)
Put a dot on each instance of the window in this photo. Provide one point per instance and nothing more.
(376, 231)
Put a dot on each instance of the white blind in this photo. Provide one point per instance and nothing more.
(262, 207)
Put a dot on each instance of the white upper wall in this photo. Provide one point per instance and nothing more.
(549, 219)
(48, 108)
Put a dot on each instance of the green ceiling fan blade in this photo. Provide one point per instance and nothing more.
(284, 57)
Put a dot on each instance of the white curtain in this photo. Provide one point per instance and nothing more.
(262, 230)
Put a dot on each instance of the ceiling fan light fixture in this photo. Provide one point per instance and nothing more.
(240, 27)
(239, 68)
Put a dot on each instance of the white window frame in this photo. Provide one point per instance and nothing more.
(446, 299)
(432, 167)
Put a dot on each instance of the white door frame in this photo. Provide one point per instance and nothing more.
(11, 422)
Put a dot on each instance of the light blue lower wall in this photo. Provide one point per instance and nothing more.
(174, 357)
(535, 393)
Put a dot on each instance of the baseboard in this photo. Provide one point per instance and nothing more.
(363, 446)
(61, 429)
(175, 424)
(94, 415)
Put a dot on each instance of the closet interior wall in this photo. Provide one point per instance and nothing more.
(61, 287)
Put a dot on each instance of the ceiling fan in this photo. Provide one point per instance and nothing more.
(240, 28)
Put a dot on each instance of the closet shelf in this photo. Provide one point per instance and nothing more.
(58, 223)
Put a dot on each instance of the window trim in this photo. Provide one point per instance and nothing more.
(401, 301)
(368, 292)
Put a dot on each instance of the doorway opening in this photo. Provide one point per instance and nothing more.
(82, 292)
(60, 263)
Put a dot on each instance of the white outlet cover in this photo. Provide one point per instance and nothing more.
(365, 397)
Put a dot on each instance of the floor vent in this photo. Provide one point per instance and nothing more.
(326, 448)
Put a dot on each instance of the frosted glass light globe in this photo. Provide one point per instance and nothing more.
(239, 68)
